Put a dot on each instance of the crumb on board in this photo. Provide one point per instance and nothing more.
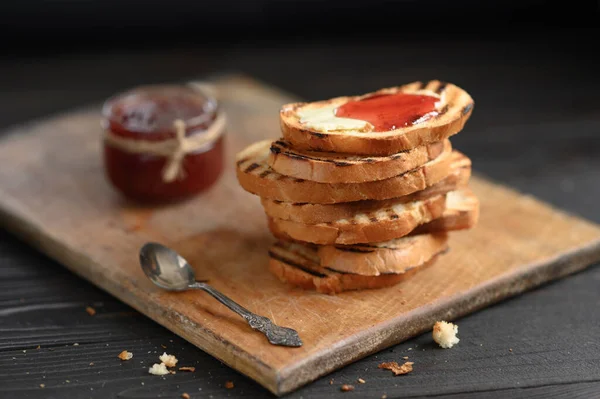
(39, 347)
(396, 368)
(168, 360)
(90, 310)
(510, 349)
(158, 369)
(229, 385)
(405, 357)
(444, 334)
(187, 368)
(42, 385)
(185, 395)
(361, 381)
(163, 346)
(125, 355)
(91, 363)
(75, 344)
(384, 396)
(331, 381)
(347, 388)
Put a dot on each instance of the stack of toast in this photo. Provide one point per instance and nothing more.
(362, 192)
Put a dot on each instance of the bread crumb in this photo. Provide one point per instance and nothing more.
(158, 369)
(445, 334)
(405, 357)
(90, 310)
(229, 385)
(185, 395)
(331, 381)
(384, 396)
(42, 385)
(75, 344)
(125, 355)
(396, 368)
(187, 368)
(361, 381)
(347, 388)
(91, 363)
(163, 346)
(510, 349)
(39, 347)
(168, 360)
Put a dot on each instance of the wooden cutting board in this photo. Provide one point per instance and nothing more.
(54, 195)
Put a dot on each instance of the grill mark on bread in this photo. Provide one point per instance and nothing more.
(441, 88)
(443, 110)
(354, 249)
(467, 108)
(318, 135)
(374, 219)
(265, 173)
(241, 161)
(251, 167)
(296, 265)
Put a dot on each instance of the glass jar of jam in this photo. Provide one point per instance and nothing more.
(163, 143)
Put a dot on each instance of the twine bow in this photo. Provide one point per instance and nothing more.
(174, 149)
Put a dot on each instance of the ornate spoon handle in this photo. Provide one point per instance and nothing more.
(276, 335)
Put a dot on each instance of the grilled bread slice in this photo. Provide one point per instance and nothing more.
(315, 126)
(394, 256)
(255, 176)
(318, 213)
(461, 213)
(327, 167)
(387, 224)
(381, 225)
(299, 265)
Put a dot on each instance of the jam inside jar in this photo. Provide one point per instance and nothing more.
(163, 143)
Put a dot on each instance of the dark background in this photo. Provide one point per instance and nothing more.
(530, 66)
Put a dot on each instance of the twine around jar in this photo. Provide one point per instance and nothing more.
(174, 149)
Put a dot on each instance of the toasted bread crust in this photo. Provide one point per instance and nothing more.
(382, 225)
(395, 256)
(326, 167)
(300, 268)
(455, 109)
(323, 213)
(461, 213)
(255, 176)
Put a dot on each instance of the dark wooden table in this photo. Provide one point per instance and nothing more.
(536, 127)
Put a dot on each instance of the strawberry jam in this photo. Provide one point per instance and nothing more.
(141, 141)
(390, 111)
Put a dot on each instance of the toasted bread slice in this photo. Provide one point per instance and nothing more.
(314, 126)
(255, 176)
(327, 167)
(383, 224)
(394, 256)
(458, 212)
(462, 212)
(319, 213)
(299, 265)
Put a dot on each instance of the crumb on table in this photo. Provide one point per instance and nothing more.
(158, 369)
(187, 368)
(185, 395)
(347, 388)
(90, 310)
(125, 355)
(397, 369)
(168, 360)
(444, 334)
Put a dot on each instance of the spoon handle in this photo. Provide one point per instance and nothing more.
(276, 335)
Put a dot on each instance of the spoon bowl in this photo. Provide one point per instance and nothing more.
(166, 268)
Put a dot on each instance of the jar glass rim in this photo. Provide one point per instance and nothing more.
(210, 106)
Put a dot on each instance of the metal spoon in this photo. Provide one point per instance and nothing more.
(167, 269)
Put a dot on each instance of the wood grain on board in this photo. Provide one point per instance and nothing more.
(55, 196)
